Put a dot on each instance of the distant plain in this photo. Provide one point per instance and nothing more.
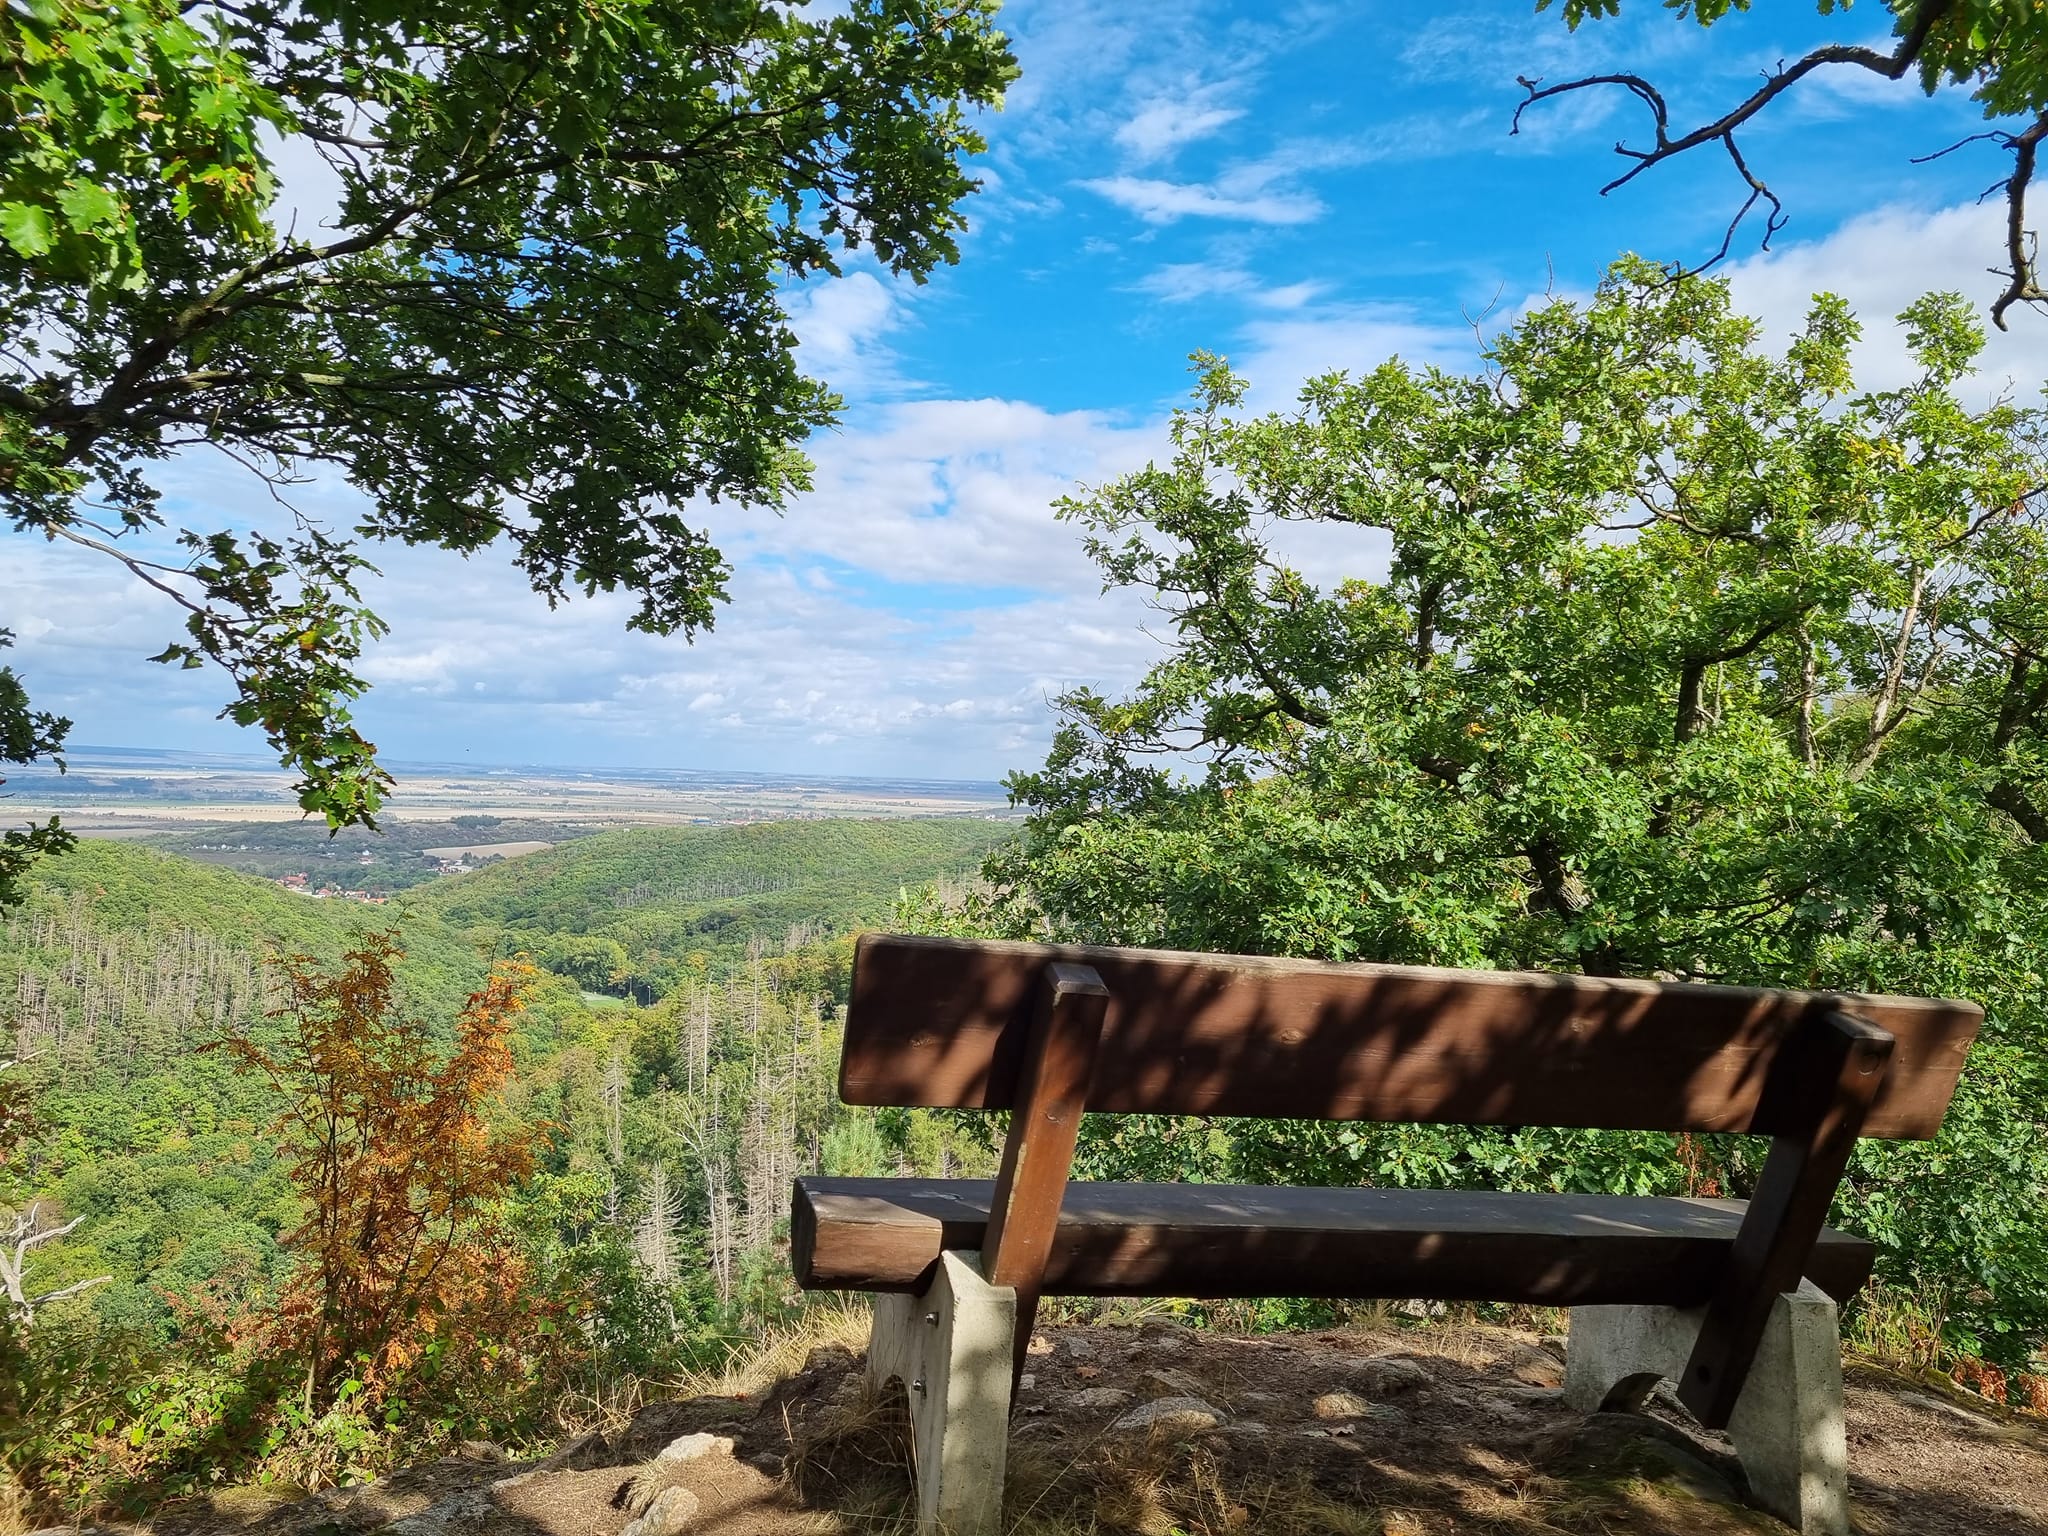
(240, 812)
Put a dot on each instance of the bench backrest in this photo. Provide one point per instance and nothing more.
(943, 1023)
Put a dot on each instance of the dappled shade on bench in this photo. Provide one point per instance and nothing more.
(941, 1023)
(1249, 1240)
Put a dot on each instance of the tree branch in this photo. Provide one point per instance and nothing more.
(1722, 130)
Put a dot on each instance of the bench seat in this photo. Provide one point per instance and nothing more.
(1236, 1240)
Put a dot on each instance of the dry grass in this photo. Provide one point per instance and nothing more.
(780, 1353)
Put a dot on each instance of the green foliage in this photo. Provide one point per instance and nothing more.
(122, 961)
(120, 964)
(548, 309)
(647, 909)
(26, 735)
(1676, 657)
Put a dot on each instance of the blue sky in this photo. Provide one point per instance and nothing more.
(1300, 187)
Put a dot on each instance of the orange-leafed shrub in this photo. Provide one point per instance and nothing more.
(1980, 1378)
(401, 1261)
(2031, 1392)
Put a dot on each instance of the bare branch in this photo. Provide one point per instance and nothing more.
(1722, 130)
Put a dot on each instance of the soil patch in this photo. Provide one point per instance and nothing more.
(1156, 1429)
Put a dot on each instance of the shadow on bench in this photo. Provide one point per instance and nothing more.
(1733, 1300)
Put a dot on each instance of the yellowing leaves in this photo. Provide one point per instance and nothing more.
(400, 1166)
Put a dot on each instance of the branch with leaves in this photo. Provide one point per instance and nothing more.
(546, 311)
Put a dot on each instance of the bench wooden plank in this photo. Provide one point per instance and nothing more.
(943, 1023)
(1250, 1241)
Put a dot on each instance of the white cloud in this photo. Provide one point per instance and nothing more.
(1880, 263)
(1166, 122)
(1167, 202)
(1184, 282)
(1281, 351)
(841, 324)
(915, 613)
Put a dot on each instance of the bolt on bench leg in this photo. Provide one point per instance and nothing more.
(1787, 1426)
(950, 1348)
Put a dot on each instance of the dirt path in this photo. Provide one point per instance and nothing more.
(1416, 1432)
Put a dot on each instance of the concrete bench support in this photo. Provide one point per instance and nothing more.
(950, 1348)
(1787, 1428)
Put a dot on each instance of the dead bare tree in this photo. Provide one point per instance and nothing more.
(25, 1231)
(654, 1239)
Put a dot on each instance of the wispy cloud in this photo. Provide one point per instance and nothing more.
(1167, 202)
(842, 325)
(1166, 122)
(1184, 282)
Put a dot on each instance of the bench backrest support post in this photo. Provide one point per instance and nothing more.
(1838, 1069)
(1038, 1154)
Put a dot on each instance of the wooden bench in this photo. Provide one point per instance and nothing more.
(1734, 1300)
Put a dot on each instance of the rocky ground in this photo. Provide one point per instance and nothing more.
(1157, 1430)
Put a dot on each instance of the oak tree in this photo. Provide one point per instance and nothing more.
(548, 310)
(1648, 648)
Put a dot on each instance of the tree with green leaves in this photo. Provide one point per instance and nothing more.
(547, 311)
(26, 735)
(1996, 49)
(1660, 652)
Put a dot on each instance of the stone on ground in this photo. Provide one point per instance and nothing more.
(671, 1512)
(1185, 1414)
(1341, 1405)
(690, 1447)
(1386, 1375)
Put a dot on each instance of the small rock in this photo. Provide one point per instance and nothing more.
(768, 1463)
(1094, 1399)
(1078, 1347)
(1341, 1405)
(481, 1450)
(1536, 1368)
(1553, 1344)
(1389, 1375)
(1027, 1381)
(671, 1512)
(1172, 1383)
(1183, 1414)
(1261, 1402)
(691, 1447)
(1665, 1399)
(1499, 1403)
(461, 1512)
(1039, 1345)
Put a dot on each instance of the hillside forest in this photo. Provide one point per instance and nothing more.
(1688, 659)
(657, 1066)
